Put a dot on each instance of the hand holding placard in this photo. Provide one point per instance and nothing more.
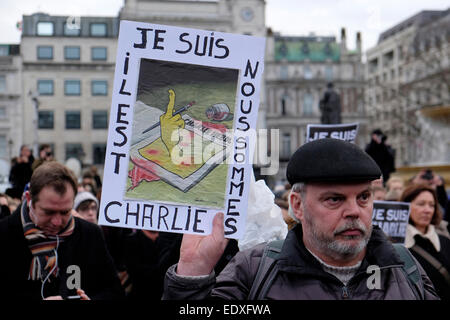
(200, 254)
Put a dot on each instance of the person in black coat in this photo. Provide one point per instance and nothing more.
(20, 173)
(147, 256)
(383, 155)
(49, 254)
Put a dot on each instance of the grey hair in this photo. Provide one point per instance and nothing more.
(300, 188)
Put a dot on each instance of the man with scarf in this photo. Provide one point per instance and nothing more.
(49, 254)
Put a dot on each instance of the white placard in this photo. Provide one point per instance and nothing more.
(207, 85)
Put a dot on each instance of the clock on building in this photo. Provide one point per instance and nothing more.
(247, 14)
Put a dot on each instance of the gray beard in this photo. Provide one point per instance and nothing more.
(333, 247)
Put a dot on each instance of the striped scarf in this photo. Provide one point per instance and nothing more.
(43, 247)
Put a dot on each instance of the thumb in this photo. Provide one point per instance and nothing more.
(218, 229)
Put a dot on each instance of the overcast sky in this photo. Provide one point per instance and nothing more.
(290, 17)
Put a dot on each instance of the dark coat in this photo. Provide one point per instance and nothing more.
(301, 277)
(147, 261)
(443, 256)
(384, 158)
(19, 176)
(85, 248)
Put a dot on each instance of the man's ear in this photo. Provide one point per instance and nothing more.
(28, 197)
(296, 203)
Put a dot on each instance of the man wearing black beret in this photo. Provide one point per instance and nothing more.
(333, 252)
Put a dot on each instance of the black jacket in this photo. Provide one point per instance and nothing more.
(85, 248)
(443, 256)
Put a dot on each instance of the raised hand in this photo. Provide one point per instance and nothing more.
(170, 125)
(200, 254)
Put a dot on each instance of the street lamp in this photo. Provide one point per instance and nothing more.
(34, 99)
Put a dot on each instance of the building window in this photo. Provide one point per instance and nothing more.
(329, 73)
(3, 147)
(74, 150)
(286, 146)
(72, 53)
(307, 73)
(99, 87)
(45, 28)
(99, 153)
(45, 119)
(283, 106)
(2, 84)
(98, 29)
(73, 120)
(45, 87)
(98, 53)
(72, 87)
(2, 112)
(4, 50)
(308, 104)
(284, 72)
(99, 119)
(72, 30)
(45, 52)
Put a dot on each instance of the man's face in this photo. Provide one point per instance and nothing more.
(336, 218)
(52, 211)
(397, 185)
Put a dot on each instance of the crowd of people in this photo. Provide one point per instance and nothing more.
(56, 250)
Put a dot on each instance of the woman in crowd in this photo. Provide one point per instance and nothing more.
(431, 249)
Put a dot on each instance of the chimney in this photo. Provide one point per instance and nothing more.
(343, 41)
(358, 42)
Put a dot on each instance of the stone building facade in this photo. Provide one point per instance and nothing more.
(408, 88)
(298, 70)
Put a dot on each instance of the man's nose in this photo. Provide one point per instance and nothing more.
(352, 209)
(57, 219)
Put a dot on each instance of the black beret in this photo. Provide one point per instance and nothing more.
(331, 160)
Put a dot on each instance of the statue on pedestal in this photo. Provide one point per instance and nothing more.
(330, 106)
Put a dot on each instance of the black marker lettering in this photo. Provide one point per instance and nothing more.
(197, 43)
(150, 217)
(227, 51)
(230, 223)
(135, 214)
(196, 221)
(248, 69)
(122, 89)
(124, 140)
(142, 45)
(118, 156)
(125, 67)
(182, 36)
(120, 113)
(231, 206)
(174, 220)
(163, 217)
(246, 85)
(116, 203)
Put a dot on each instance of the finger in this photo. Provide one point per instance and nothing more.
(82, 294)
(180, 123)
(218, 229)
(54, 298)
(177, 117)
(171, 104)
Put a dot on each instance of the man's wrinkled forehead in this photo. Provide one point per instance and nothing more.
(338, 187)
